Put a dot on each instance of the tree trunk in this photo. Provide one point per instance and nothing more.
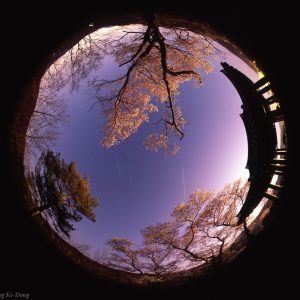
(39, 209)
(247, 231)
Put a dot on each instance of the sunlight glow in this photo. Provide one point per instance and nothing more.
(260, 74)
(244, 174)
(258, 71)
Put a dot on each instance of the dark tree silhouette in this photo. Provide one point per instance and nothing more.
(83, 248)
(123, 256)
(50, 111)
(42, 131)
(60, 192)
(158, 260)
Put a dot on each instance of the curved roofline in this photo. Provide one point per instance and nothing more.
(261, 136)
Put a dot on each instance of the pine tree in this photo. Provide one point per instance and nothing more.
(61, 193)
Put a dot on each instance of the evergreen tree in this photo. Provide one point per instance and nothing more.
(61, 193)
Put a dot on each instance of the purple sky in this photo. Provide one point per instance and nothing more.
(138, 187)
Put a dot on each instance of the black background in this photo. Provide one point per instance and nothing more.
(269, 269)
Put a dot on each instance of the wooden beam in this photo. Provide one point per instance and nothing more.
(281, 151)
(272, 99)
(275, 186)
(265, 89)
(278, 167)
(276, 115)
(279, 160)
(270, 196)
(277, 172)
(261, 82)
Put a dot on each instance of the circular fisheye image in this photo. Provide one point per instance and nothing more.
(155, 148)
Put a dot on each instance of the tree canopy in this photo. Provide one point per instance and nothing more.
(199, 231)
(153, 61)
(61, 193)
(156, 61)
